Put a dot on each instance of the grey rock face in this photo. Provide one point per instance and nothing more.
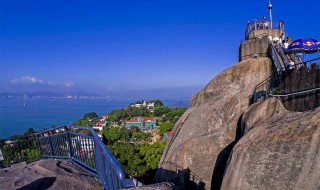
(280, 150)
(47, 174)
(208, 127)
(157, 186)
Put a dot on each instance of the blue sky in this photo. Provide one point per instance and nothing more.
(139, 47)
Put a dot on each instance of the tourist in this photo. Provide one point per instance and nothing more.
(264, 22)
(291, 64)
(274, 44)
(282, 37)
(256, 24)
(286, 45)
(249, 26)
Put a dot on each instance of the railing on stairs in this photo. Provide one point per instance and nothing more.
(280, 66)
(284, 56)
(67, 142)
(262, 90)
(275, 84)
(280, 61)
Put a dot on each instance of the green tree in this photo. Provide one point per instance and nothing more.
(174, 114)
(113, 134)
(118, 115)
(138, 136)
(134, 129)
(152, 154)
(130, 158)
(157, 102)
(29, 132)
(161, 110)
(165, 127)
(83, 122)
(90, 115)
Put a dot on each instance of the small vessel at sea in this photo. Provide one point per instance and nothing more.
(24, 104)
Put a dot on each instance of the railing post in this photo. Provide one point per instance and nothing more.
(51, 146)
(40, 144)
(70, 144)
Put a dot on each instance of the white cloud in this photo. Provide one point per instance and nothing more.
(27, 80)
(35, 80)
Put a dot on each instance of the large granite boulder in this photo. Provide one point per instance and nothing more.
(203, 137)
(279, 150)
(47, 174)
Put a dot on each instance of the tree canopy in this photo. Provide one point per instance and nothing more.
(128, 113)
(88, 119)
(157, 102)
(137, 158)
(165, 127)
(161, 110)
(90, 115)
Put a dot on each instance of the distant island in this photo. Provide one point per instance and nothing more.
(49, 95)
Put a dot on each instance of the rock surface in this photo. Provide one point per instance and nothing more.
(47, 174)
(203, 136)
(280, 150)
(157, 186)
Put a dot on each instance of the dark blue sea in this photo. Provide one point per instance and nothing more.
(21, 114)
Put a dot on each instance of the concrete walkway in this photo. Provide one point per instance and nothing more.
(47, 174)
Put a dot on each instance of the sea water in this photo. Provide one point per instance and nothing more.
(18, 115)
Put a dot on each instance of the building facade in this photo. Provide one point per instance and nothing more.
(142, 123)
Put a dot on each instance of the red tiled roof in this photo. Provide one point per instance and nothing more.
(132, 120)
(148, 119)
(169, 133)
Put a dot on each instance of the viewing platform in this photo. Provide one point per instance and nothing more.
(257, 29)
(258, 36)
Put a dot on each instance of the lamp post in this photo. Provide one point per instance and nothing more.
(270, 11)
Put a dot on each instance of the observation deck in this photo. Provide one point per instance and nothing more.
(258, 35)
(257, 29)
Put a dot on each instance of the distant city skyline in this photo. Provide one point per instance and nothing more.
(131, 48)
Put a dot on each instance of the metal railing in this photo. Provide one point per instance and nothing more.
(284, 57)
(19, 150)
(272, 85)
(263, 89)
(262, 25)
(277, 62)
(67, 142)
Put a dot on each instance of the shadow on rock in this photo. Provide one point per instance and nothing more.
(223, 156)
(42, 183)
(181, 177)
